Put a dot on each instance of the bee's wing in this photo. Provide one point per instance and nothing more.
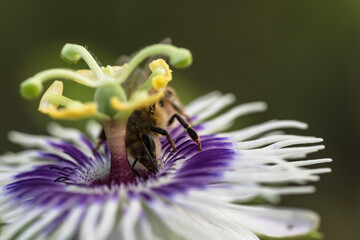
(122, 60)
(149, 145)
(140, 74)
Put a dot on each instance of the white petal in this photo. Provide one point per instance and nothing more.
(310, 162)
(41, 142)
(245, 193)
(9, 231)
(217, 106)
(225, 120)
(69, 134)
(67, 228)
(202, 103)
(146, 229)
(93, 129)
(199, 222)
(255, 130)
(29, 140)
(39, 225)
(264, 141)
(284, 152)
(275, 222)
(108, 219)
(130, 218)
(297, 141)
(88, 224)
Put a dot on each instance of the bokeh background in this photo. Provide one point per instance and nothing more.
(301, 57)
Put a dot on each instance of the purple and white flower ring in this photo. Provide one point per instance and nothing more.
(56, 189)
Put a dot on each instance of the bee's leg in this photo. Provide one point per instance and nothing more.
(164, 133)
(132, 167)
(179, 110)
(101, 139)
(192, 133)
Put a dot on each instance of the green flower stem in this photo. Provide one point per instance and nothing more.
(73, 53)
(32, 87)
(60, 99)
(179, 57)
(64, 74)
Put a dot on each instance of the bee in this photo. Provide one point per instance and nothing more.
(145, 127)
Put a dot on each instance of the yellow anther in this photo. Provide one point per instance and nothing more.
(161, 80)
(160, 64)
(57, 88)
(52, 98)
(136, 104)
(73, 111)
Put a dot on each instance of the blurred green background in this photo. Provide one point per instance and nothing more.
(301, 57)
